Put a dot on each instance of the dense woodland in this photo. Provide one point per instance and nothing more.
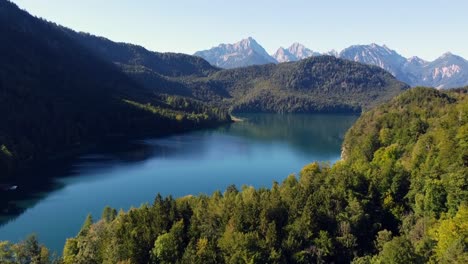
(56, 97)
(399, 195)
(318, 84)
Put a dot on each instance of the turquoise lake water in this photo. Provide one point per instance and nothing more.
(261, 149)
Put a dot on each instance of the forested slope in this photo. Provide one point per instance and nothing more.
(317, 84)
(399, 196)
(57, 95)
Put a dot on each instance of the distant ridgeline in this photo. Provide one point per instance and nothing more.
(399, 195)
(447, 71)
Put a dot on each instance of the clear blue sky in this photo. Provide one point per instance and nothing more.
(426, 28)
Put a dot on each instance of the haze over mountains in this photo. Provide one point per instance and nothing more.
(447, 71)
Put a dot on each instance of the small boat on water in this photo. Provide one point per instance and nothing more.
(8, 187)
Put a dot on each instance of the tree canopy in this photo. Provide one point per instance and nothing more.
(398, 196)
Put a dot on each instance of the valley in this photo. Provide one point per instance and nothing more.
(111, 152)
(130, 91)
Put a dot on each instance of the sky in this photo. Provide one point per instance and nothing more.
(424, 28)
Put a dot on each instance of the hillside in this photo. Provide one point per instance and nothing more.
(317, 84)
(398, 196)
(57, 96)
(125, 54)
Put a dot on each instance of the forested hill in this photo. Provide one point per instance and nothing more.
(129, 55)
(317, 84)
(399, 196)
(157, 72)
(57, 95)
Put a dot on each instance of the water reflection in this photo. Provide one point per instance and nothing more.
(303, 132)
(258, 151)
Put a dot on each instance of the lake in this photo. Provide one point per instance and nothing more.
(258, 151)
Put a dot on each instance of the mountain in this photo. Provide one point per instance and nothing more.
(301, 52)
(243, 53)
(295, 52)
(283, 55)
(57, 96)
(448, 71)
(381, 56)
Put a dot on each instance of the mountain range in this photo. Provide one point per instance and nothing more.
(447, 71)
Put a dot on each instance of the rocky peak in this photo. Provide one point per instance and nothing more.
(284, 55)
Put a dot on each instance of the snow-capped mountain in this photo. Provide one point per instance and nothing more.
(447, 71)
(243, 53)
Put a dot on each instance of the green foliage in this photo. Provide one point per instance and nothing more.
(383, 237)
(58, 96)
(451, 236)
(168, 246)
(28, 251)
(86, 226)
(417, 156)
(399, 250)
(177, 108)
(318, 84)
(6, 253)
(70, 251)
(382, 206)
(108, 214)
